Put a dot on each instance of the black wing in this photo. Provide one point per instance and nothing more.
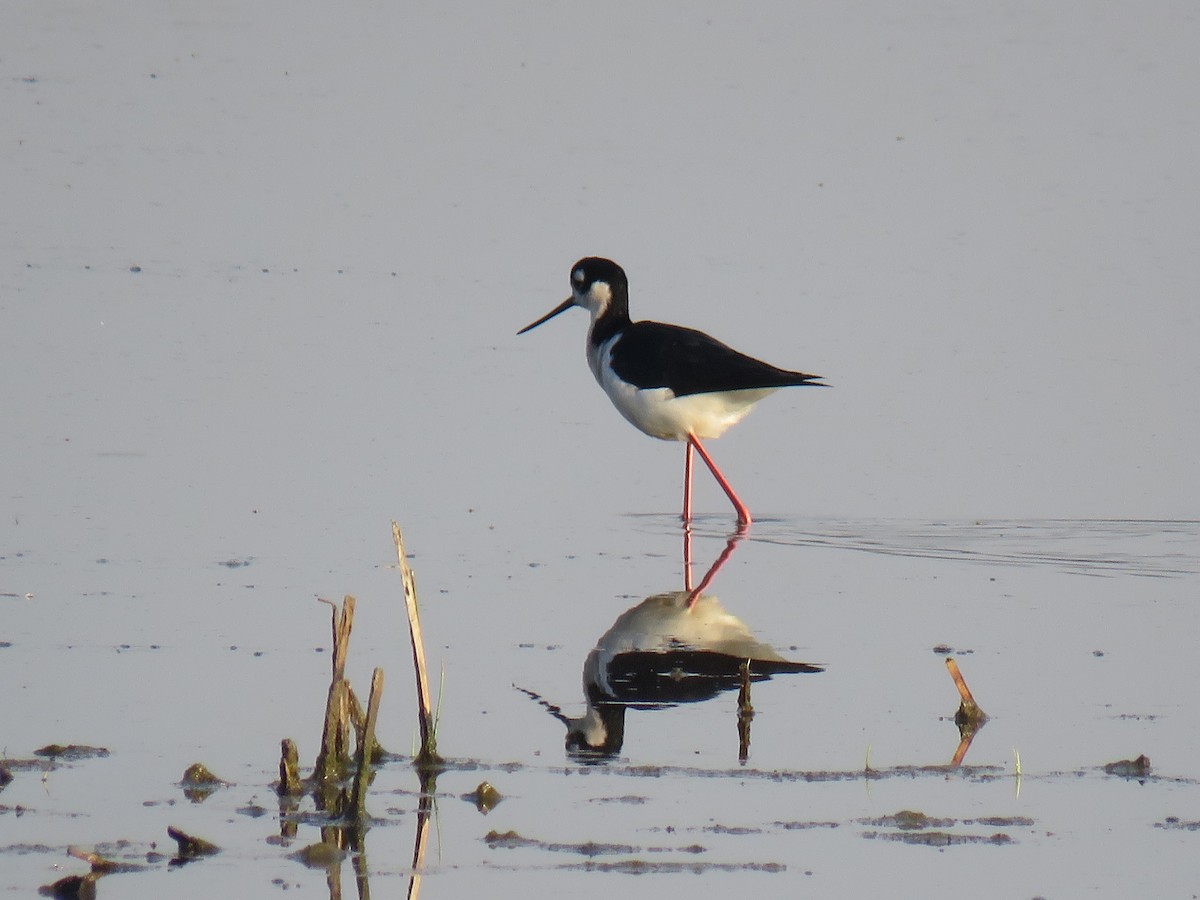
(654, 355)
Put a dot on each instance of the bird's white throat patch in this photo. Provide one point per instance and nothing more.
(597, 298)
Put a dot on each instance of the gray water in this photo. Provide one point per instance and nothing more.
(259, 286)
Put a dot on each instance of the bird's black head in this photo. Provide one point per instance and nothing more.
(593, 270)
(599, 286)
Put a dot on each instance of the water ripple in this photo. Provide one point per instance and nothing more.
(1102, 547)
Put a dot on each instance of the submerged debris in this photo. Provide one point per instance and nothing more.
(199, 782)
(289, 769)
(190, 846)
(71, 751)
(1130, 768)
(909, 820)
(1175, 823)
(646, 867)
(83, 887)
(102, 865)
(915, 827)
(321, 855)
(511, 840)
(199, 775)
(485, 797)
(73, 887)
(938, 838)
(947, 650)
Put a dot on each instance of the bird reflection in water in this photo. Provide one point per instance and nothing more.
(672, 648)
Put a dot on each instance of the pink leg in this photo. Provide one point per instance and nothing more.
(687, 485)
(743, 514)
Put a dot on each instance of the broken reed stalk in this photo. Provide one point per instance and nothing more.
(968, 710)
(428, 754)
(358, 799)
(289, 768)
(335, 737)
(342, 626)
(969, 718)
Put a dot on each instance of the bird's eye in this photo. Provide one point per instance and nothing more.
(577, 276)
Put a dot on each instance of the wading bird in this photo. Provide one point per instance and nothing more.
(673, 383)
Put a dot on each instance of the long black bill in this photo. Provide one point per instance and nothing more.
(562, 307)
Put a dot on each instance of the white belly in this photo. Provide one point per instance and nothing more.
(659, 413)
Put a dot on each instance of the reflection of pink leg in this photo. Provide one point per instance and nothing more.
(687, 556)
(714, 568)
(687, 485)
(743, 514)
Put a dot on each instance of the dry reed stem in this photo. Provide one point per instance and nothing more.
(959, 682)
(428, 751)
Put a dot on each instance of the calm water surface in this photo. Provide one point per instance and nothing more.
(1073, 635)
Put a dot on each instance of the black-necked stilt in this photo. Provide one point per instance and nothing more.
(673, 383)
